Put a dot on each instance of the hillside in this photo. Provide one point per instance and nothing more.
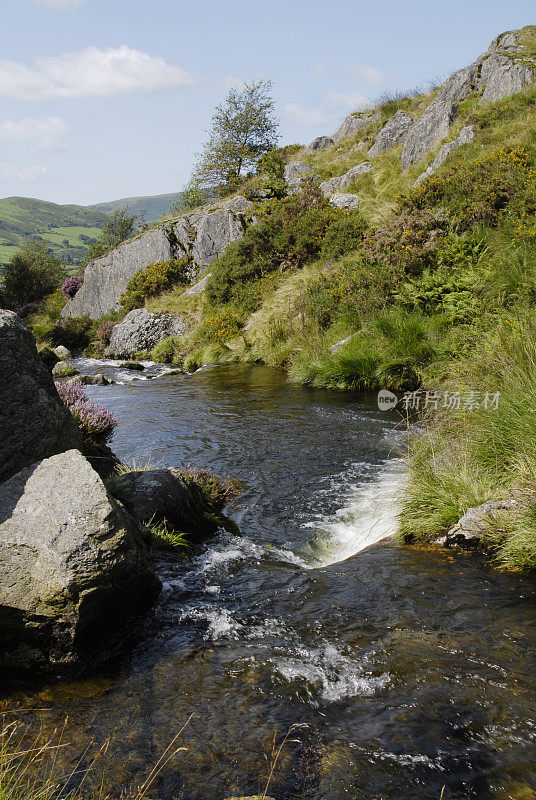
(67, 229)
(150, 209)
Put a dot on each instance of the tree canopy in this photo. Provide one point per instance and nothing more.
(32, 273)
(119, 227)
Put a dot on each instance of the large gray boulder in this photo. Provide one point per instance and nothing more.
(201, 238)
(428, 131)
(141, 330)
(466, 135)
(339, 184)
(35, 422)
(320, 143)
(459, 85)
(73, 565)
(295, 174)
(353, 125)
(163, 495)
(343, 200)
(392, 133)
(501, 77)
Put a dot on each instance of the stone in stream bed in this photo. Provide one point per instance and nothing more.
(93, 380)
(64, 369)
(134, 365)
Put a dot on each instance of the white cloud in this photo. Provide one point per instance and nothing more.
(48, 133)
(300, 115)
(353, 101)
(63, 5)
(16, 172)
(365, 73)
(90, 73)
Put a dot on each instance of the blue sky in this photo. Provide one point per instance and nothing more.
(102, 99)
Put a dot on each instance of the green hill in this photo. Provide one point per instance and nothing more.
(67, 229)
(150, 209)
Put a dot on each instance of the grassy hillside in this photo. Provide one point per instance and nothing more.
(150, 209)
(67, 229)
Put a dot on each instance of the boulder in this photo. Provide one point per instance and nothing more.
(472, 527)
(320, 143)
(295, 173)
(35, 422)
(428, 131)
(343, 182)
(63, 369)
(160, 495)
(500, 77)
(353, 124)
(466, 135)
(200, 238)
(94, 380)
(73, 562)
(62, 352)
(132, 365)
(342, 200)
(392, 133)
(459, 85)
(141, 330)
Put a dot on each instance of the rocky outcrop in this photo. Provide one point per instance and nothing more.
(465, 136)
(295, 174)
(501, 77)
(163, 495)
(428, 131)
(35, 422)
(320, 143)
(342, 200)
(142, 330)
(392, 133)
(74, 566)
(200, 237)
(353, 124)
(459, 85)
(471, 529)
(343, 182)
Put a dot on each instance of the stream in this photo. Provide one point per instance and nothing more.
(412, 672)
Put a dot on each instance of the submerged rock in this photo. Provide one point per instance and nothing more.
(133, 365)
(141, 330)
(35, 422)
(94, 380)
(73, 564)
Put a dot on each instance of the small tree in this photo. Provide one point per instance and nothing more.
(32, 273)
(243, 128)
(120, 227)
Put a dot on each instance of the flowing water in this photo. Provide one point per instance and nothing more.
(414, 671)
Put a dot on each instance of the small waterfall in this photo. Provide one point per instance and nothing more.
(369, 516)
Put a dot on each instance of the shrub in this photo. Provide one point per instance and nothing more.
(95, 422)
(72, 332)
(71, 286)
(28, 309)
(220, 491)
(166, 351)
(406, 243)
(152, 280)
(220, 327)
(104, 331)
(32, 273)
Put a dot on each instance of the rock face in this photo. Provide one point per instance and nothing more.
(392, 133)
(74, 567)
(35, 423)
(341, 200)
(343, 182)
(428, 131)
(471, 528)
(465, 136)
(460, 84)
(295, 172)
(502, 77)
(201, 237)
(320, 143)
(352, 125)
(142, 330)
(163, 495)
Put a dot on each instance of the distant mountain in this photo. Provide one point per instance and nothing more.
(150, 209)
(67, 229)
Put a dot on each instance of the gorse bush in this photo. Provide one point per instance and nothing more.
(220, 327)
(95, 422)
(152, 280)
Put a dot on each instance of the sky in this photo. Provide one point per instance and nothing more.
(104, 99)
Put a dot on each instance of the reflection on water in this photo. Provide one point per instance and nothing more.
(414, 670)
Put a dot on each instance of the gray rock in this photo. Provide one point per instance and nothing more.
(64, 369)
(141, 330)
(428, 131)
(295, 172)
(508, 41)
(392, 133)
(201, 237)
(160, 495)
(466, 135)
(339, 184)
(62, 352)
(502, 77)
(460, 84)
(73, 564)
(94, 380)
(173, 371)
(353, 124)
(133, 365)
(35, 422)
(342, 200)
(474, 524)
(198, 287)
(320, 143)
